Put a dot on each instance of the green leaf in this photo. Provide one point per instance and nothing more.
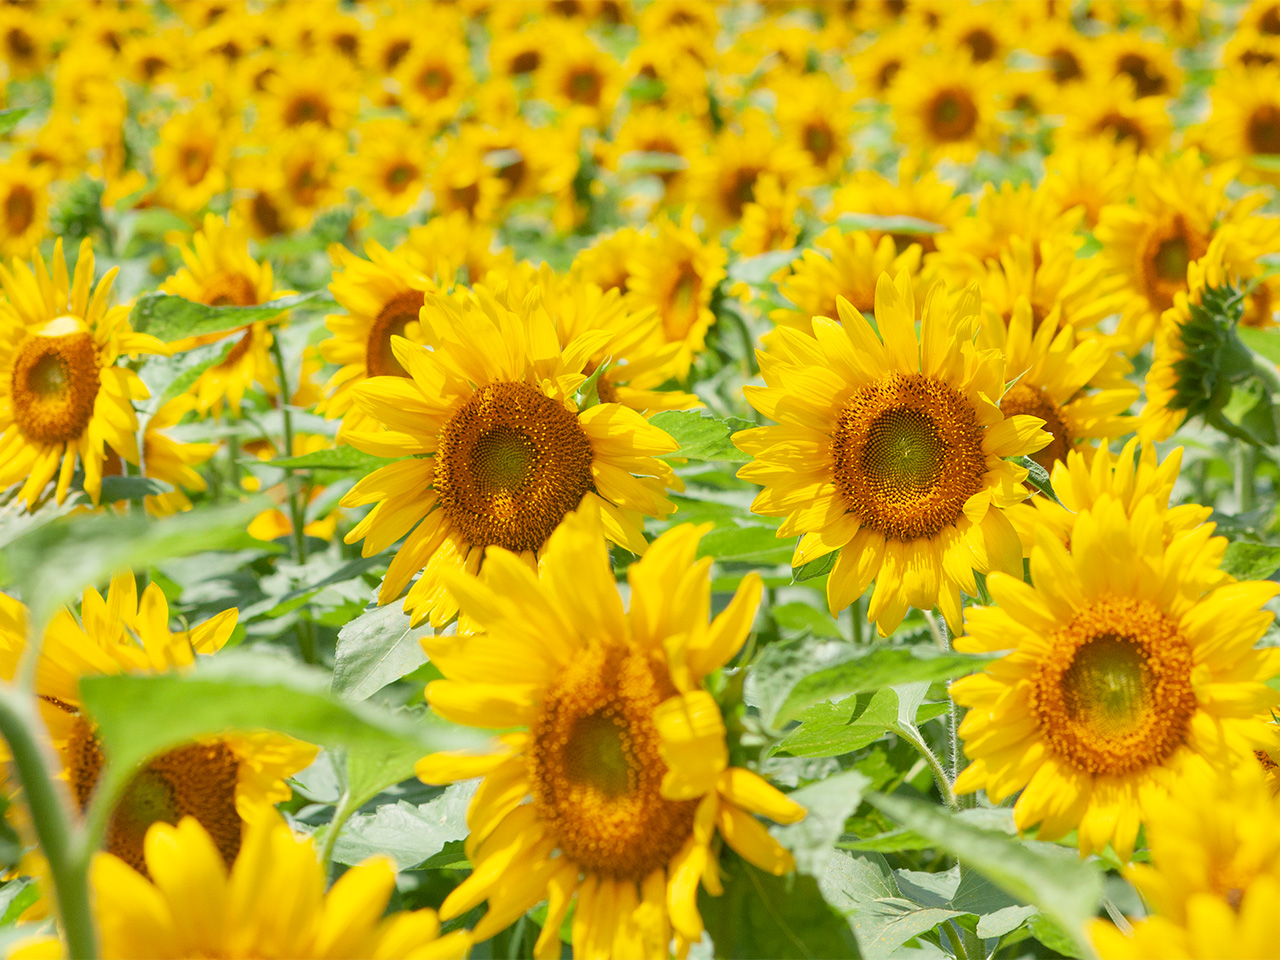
(780, 666)
(410, 834)
(170, 318)
(800, 617)
(760, 915)
(759, 269)
(755, 545)
(9, 118)
(815, 568)
(833, 729)
(51, 564)
(1251, 561)
(651, 161)
(702, 438)
(894, 224)
(243, 690)
(830, 802)
(343, 459)
(1065, 888)
(1037, 476)
(863, 669)
(115, 489)
(1264, 342)
(375, 649)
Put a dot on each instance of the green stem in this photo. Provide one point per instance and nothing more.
(61, 842)
(943, 636)
(856, 619)
(940, 777)
(297, 503)
(1246, 477)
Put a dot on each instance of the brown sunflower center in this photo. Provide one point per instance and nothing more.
(1064, 65)
(55, 384)
(597, 770)
(738, 189)
(399, 177)
(1122, 129)
(1023, 398)
(229, 290)
(886, 73)
(526, 61)
(584, 86)
(982, 45)
(266, 215)
(1168, 251)
(951, 114)
(306, 108)
(392, 321)
(194, 163)
(1264, 129)
(1147, 79)
(512, 462)
(819, 140)
(19, 210)
(1114, 696)
(682, 302)
(906, 455)
(198, 781)
(434, 82)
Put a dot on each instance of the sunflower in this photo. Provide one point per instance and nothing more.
(618, 747)
(1213, 881)
(1107, 110)
(675, 273)
(1147, 64)
(1090, 176)
(1248, 49)
(390, 167)
(282, 188)
(219, 271)
(580, 79)
(1095, 712)
(1178, 206)
(816, 114)
(921, 195)
(673, 136)
(192, 158)
(239, 911)
(62, 396)
(890, 449)
(455, 249)
(841, 265)
(1064, 51)
(979, 31)
(317, 91)
(945, 105)
(26, 39)
(168, 460)
(507, 450)
(771, 221)
(382, 297)
(218, 780)
(723, 180)
(24, 207)
(609, 261)
(877, 66)
(434, 80)
(463, 181)
(1245, 118)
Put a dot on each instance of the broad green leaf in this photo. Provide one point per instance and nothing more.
(115, 489)
(170, 318)
(242, 690)
(410, 834)
(864, 669)
(1065, 888)
(1037, 476)
(1264, 342)
(344, 459)
(893, 224)
(760, 915)
(1251, 561)
(780, 666)
(9, 118)
(832, 729)
(755, 545)
(701, 437)
(50, 565)
(375, 649)
(815, 568)
(279, 605)
(759, 269)
(829, 801)
(801, 617)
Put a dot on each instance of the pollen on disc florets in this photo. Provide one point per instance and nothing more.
(55, 384)
(597, 771)
(391, 321)
(906, 454)
(1115, 696)
(511, 463)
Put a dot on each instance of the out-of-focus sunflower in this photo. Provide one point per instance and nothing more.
(24, 207)
(1003, 213)
(1107, 110)
(978, 30)
(1148, 64)
(669, 71)
(609, 261)
(816, 114)
(284, 187)
(168, 460)
(510, 452)
(62, 395)
(1095, 712)
(26, 41)
(192, 158)
(771, 221)
(221, 781)
(219, 271)
(155, 57)
(1213, 878)
(1091, 176)
(890, 448)
(945, 105)
(580, 78)
(390, 166)
(675, 273)
(399, 31)
(1064, 50)
(1244, 121)
(673, 137)
(519, 53)
(464, 181)
(724, 178)
(320, 91)
(877, 65)
(1248, 49)
(919, 194)
(619, 747)
(840, 265)
(454, 248)
(433, 81)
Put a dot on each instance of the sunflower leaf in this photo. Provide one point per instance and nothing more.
(702, 438)
(375, 649)
(343, 459)
(1037, 476)
(1251, 561)
(170, 317)
(892, 224)
(10, 118)
(815, 568)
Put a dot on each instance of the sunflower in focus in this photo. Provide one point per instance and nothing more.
(945, 105)
(63, 398)
(1212, 881)
(219, 271)
(890, 449)
(24, 207)
(498, 450)
(220, 781)
(619, 748)
(840, 265)
(1095, 713)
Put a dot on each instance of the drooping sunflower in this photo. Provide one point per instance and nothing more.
(619, 750)
(382, 297)
(844, 265)
(1213, 879)
(62, 395)
(1132, 663)
(889, 447)
(219, 271)
(221, 781)
(499, 450)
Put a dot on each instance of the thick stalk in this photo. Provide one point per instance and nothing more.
(913, 737)
(61, 841)
(1246, 470)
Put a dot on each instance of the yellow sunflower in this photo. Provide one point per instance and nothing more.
(1214, 875)
(221, 781)
(220, 271)
(390, 166)
(1090, 176)
(63, 398)
(320, 91)
(609, 261)
(945, 105)
(579, 78)
(382, 297)
(771, 221)
(657, 130)
(498, 449)
(1107, 110)
(192, 158)
(846, 265)
(24, 207)
(434, 80)
(877, 66)
(723, 179)
(1001, 214)
(168, 460)
(816, 114)
(918, 194)
(455, 249)
(1245, 118)
(1095, 712)
(675, 272)
(618, 747)
(1147, 63)
(890, 449)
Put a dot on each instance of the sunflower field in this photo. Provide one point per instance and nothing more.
(607, 479)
